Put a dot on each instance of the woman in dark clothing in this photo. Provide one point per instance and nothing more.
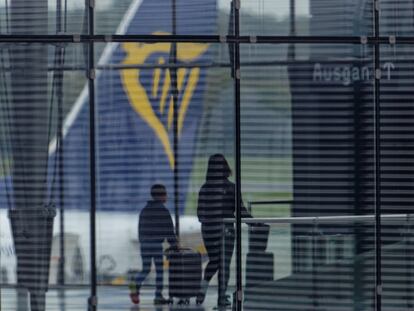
(216, 201)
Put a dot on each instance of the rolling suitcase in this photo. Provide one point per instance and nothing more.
(259, 268)
(258, 237)
(259, 263)
(184, 274)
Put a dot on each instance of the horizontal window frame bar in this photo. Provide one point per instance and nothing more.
(363, 40)
(217, 65)
(251, 203)
(322, 219)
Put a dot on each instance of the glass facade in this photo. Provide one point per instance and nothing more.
(193, 154)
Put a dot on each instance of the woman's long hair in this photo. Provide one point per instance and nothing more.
(218, 168)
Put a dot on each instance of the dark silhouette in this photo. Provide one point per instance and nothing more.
(155, 226)
(216, 201)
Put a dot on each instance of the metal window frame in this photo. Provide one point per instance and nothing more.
(236, 39)
(237, 143)
(316, 220)
(240, 39)
(377, 157)
(93, 298)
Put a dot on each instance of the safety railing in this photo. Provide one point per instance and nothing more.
(250, 204)
(322, 219)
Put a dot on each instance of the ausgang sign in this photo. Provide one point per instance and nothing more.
(347, 74)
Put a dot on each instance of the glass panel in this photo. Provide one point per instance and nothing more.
(396, 18)
(397, 155)
(306, 17)
(327, 275)
(307, 151)
(136, 149)
(43, 17)
(208, 17)
(397, 265)
(44, 243)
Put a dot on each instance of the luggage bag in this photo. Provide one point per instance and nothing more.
(259, 263)
(259, 268)
(185, 272)
(258, 237)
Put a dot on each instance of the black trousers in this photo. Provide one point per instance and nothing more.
(150, 252)
(219, 242)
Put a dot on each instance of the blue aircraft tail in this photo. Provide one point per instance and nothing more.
(134, 111)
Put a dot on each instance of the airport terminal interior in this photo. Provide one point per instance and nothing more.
(207, 155)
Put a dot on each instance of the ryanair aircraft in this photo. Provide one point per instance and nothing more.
(134, 143)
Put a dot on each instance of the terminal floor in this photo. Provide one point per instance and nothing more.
(109, 298)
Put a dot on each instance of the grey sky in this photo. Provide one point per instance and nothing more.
(278, 8)
(273, 7)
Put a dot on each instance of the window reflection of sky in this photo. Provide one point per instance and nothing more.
(256, 7)
(271, 7)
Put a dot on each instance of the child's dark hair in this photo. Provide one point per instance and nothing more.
(158, 191)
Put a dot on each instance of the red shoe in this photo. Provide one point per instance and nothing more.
(133, 293)
(134, 298)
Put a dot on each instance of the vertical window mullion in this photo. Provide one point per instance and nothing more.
(377, 158)
(236, 70)
(92, 302)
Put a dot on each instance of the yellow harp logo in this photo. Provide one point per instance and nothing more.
(140, 98)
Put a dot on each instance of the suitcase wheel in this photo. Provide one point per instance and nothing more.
(183, 302)
(199, 300)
